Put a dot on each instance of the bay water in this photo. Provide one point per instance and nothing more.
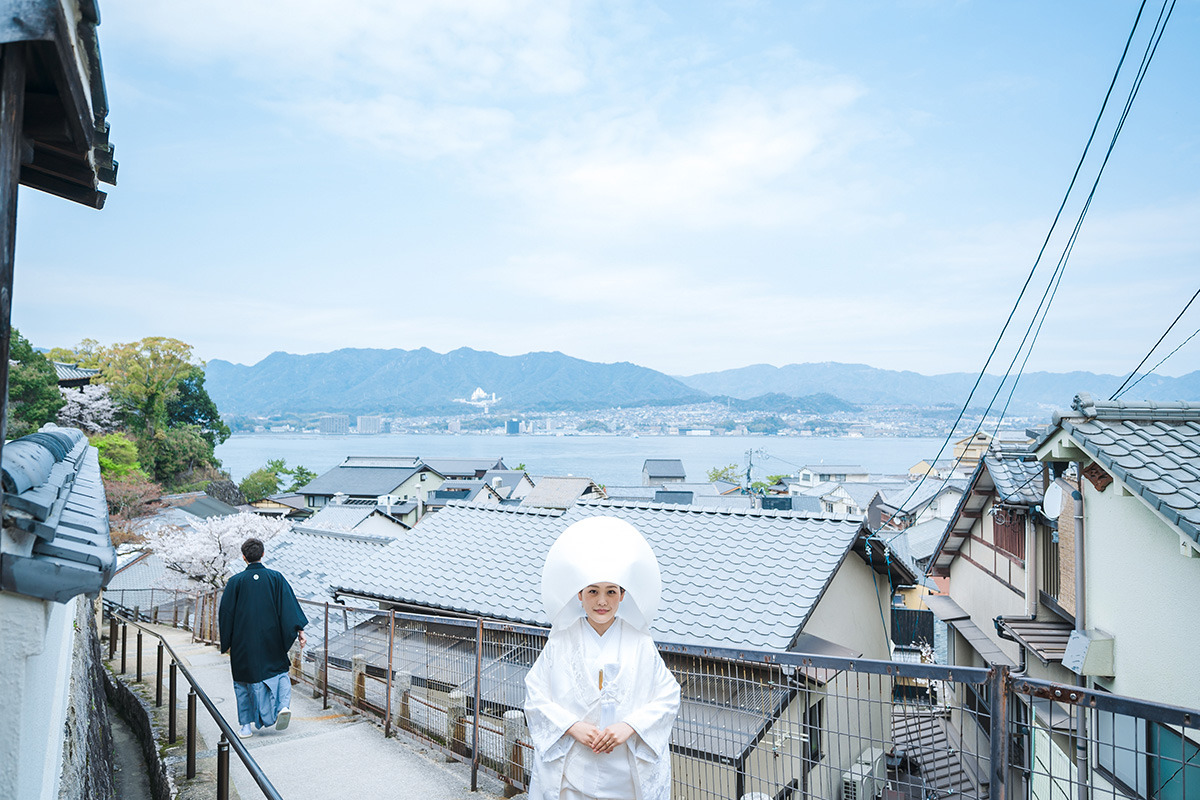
(608, 460)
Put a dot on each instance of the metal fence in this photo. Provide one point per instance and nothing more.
(764, 725)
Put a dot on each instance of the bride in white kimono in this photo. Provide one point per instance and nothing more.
(600, 703)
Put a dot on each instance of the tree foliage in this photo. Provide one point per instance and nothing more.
(301, 477)
(144, 376)
(209, 550)
(118, 455)
(262, 482)
(33, 396)
(129, 498)
(191, 405)
(177, 454)
(86, 354)
(91, 409)
(729, 473)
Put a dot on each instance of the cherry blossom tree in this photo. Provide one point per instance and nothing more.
(92, 410)
(209, 550)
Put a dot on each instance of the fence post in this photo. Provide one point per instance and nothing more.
(199, 610)
(223, 768)
(456, 732)
(153, 609)
(325, 663)
(1001, 685)
(158, 676)
(401, 688)
(358, 672)
(387, 714)
(191, 732)
(514, 767)
(175, 609)
(477, 703)
(139, 655)
(124, 644)
(173, 696)
(112, 635)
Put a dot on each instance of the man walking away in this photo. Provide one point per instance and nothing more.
(259, 620)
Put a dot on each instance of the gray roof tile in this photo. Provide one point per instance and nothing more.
(1150, 447)
(488, 560)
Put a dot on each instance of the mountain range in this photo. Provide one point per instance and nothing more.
(414, 382)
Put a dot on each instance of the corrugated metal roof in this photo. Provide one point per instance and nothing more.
(488, 560)
(314, 561)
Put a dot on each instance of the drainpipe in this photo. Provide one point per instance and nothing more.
(1081, 749)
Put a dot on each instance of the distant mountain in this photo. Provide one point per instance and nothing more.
(354, 381)
(859, 383)
(777, 403)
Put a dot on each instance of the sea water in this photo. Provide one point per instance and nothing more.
(607, 460)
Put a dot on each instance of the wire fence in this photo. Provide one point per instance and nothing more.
(762, 725)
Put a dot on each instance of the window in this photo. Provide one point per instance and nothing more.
(1008, 529)
(1146, 758)
(812, 730)
(1049, 574)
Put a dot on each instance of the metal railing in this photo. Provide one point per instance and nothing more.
(119, 624)
(766, 725)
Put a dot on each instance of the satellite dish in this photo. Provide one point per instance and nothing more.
(1053, 501)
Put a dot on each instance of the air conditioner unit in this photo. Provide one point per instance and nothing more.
(866, 779)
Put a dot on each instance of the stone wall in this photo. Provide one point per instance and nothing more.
(138, 714)
(87, 768)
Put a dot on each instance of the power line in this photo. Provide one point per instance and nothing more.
(1164, 358)
(1117, 393)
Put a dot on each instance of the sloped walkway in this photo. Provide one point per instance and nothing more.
(323, 753)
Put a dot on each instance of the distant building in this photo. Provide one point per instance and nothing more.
(662, 470)
(335, 424)
(512, 427)
(370, 424)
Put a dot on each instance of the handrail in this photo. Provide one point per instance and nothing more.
(227, 732)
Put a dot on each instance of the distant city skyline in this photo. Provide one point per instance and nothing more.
(687, 187)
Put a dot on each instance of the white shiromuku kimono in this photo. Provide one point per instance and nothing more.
(563, 688)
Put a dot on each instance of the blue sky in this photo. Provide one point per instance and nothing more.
(687, 186)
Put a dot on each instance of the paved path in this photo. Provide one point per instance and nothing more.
(324, 753)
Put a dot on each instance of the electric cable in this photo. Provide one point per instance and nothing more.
(1120, 388)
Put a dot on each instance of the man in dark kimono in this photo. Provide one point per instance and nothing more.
(259, 619)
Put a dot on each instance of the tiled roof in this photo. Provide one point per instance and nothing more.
(339, 518)
(459, 467)
(1003, 476)
(313, 561)
(664, 468)
(150, 572)
(555, 492)
(73, 372)
(1152, 448)
(360, 481)
(52, 490)
(914, 495)
(488, 560)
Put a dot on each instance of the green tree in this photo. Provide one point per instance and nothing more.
(729, 473)
(33, 395)
(191, 405)
(144, 376)
(262, 482)
(86, 354)
(301, 477)
(177, 454)
(118, 455)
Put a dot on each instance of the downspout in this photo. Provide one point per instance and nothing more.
(1081, 749)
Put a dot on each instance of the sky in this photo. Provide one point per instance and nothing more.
(689, 186)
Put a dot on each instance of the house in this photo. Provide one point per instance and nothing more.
(289, 505)
(1067, 561)
(510, 484)
(464, 468)
(705, 495)
(656, 471)
(915, 503)
(368, 478)
(182, 511)
(466, 491)
(561, 493)
(800, 584)
(358, 519)
(815, 474)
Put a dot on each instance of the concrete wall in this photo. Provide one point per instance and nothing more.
(54, 734)
(855, 610)
(1143, 592)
